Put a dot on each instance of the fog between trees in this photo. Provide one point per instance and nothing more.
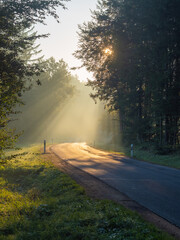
(60, 109)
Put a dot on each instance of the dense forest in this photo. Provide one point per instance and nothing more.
(133, 49)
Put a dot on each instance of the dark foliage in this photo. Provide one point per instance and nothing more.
(133, 49)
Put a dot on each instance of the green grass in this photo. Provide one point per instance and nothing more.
(38, 202)
(170, 160)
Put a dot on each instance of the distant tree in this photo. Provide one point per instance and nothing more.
(133, 49)
(15, 17)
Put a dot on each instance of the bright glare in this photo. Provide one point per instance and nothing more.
(108, 51)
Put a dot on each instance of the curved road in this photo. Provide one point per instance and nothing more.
(155, 187)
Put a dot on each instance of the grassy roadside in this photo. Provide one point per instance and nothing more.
(170, 160)
(39, 202)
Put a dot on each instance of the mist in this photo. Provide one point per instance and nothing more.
(60, 109)
(65, 114)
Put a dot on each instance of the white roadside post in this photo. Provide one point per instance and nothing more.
(44, 146)
(132, 150)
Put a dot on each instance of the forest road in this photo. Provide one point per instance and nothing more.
(155, 187)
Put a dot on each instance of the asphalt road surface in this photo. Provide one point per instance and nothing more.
(155, 187)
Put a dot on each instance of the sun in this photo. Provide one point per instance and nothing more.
(107, 51)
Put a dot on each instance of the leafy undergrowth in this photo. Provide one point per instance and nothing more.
(39, 202)
(170, 160)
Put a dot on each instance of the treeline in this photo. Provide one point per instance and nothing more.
(133, 49)
(16, 50)
(40, 116)
(60, 110)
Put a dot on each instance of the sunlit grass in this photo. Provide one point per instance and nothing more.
(39, 202)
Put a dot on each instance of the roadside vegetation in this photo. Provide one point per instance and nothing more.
(144, 154)
(37, 201)
(170, 160)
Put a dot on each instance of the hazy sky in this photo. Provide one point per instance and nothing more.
(63, 38)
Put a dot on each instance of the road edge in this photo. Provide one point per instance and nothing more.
(85, 180)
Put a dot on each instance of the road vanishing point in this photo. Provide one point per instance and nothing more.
(153, 186)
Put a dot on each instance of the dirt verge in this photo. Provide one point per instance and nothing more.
(97, 189)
